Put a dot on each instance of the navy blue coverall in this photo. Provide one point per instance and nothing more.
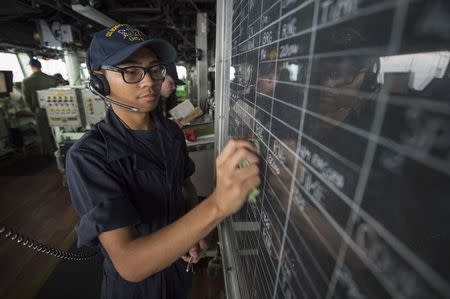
(115, 180)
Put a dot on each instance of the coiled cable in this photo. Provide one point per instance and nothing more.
(8, 233)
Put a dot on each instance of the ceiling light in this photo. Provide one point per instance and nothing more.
(93, 14)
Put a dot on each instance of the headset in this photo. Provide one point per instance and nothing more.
(370, 82)
(100, 87)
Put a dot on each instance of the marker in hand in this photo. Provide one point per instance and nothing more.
(195, 254)
(190, 265)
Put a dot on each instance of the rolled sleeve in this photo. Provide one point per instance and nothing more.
(98, 196)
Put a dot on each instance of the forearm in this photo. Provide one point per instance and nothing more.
(147, 255)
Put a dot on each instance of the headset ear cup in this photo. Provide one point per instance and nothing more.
(97, 81)
(96, 84)
(106, 90)
(370, 82)
(100, 84)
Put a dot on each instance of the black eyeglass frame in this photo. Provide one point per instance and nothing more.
(147, 70)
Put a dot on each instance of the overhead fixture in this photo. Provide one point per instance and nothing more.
(47, 37)
(93, 14)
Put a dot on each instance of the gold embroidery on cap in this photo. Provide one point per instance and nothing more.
(113, 29)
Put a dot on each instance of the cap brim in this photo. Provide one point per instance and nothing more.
(162, 49)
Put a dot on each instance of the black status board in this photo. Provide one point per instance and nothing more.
(349, 102)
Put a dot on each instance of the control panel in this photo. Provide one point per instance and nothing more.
(94, 107)
(63, 105)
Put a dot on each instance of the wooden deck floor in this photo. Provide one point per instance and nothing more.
(34, 202)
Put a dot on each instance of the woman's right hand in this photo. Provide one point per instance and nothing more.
(234, 183)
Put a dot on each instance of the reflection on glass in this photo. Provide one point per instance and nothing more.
(351, 99)
(419, 69)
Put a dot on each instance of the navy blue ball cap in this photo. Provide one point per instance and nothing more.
(172, 71)
(115, 44)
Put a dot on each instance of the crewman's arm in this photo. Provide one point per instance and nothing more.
(138, 257)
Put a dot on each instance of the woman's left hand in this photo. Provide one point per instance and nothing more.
(196, 252)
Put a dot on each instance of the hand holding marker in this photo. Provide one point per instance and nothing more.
(251, 197)
(254, 192)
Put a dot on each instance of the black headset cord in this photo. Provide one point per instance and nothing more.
(8, 233)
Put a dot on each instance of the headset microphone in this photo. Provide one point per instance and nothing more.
(129, 107)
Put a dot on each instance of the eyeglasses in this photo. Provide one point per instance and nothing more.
(135, 74)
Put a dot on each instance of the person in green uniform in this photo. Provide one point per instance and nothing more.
(37, 81)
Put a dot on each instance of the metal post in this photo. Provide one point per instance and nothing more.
(222, 84)
(222, 71)
(228, 261)
(24, 58)
(202, 62)
(73, 67)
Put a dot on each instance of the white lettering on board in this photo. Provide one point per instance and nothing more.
(333, 10)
